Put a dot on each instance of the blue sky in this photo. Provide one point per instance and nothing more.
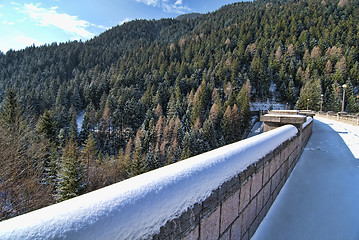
(23, 23)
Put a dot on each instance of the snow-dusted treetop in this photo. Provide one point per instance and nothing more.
(138, 207)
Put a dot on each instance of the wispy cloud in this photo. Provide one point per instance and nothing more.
(72, 25)
(178, 2)
(27, 41)
(125, 20)
(7, 22)
(171, 6)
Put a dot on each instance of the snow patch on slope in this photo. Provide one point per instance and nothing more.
(79, 120)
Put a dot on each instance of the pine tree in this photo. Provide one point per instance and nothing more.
(310, 96)
(73, 125)
(226, 125)
(186, 146)
(238, 125)
(89, 121)
(22, 152)
(244, 106)
(209, 134)
(10, 114)
(350, 98)
(47, 126)
(335, 100)
(138, 166)
(88, 155)
(52, 169)
(71, 175)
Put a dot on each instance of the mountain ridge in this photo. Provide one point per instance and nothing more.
(155, 92)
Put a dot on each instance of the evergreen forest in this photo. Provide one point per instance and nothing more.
(154, 92)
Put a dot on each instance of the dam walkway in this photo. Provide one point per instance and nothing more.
(320, 199)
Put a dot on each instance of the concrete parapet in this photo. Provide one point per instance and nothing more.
(272, 121)
(181, 203)
(308, 113)
(346, 118)
(259, 185)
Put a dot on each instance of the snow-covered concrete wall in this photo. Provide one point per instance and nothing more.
(239, 205)
(222, 193)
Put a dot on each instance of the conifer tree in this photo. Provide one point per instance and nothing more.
(238, 125)
(10, 113)
(20, 162)
(209, 134)
(47, 126)
(335, 100)
(350, 99)
(73, 124)
(244, 106)
(89, 121)
(52, 169)
(138, 166)
(88, 155)
(226, 125)
(310, 96)
(186, 149)
(71, 175)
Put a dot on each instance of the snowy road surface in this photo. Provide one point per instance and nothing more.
(320, 199)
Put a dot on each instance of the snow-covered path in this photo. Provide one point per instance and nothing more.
(320, 199)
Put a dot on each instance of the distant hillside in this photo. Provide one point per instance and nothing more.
(188, 16)
(301, 48)
(156, 92)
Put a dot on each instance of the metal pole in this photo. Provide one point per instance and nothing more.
(344, 87)
(307, 103)
(321, 103)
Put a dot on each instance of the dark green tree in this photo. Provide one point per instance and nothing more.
(71, 175)
(47, 126)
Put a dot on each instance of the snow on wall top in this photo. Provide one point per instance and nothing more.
(307, 122)
(285, 115)
(136, 208)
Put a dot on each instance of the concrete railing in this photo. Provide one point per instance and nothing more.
(350, 119)
(224, 193)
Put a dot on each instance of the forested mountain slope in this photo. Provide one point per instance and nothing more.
(156, 92)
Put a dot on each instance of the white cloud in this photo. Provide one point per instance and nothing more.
(27, 41)
(8, 23)
(170, 6)
(50, 17)
(153, 3)
(99, 26)
(125, 20)
(178, 2)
